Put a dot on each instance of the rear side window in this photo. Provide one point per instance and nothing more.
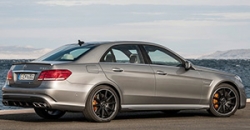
(124, 54)
(67, 53)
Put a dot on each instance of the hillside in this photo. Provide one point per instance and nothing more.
(18, 52)
(230, 54)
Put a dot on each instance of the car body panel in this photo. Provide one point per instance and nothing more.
(131, 80)
(139, 86)
(172, 91)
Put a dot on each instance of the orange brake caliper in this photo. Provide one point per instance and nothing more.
(215, 100)
(94, 103)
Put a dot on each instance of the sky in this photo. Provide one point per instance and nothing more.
(191, 28)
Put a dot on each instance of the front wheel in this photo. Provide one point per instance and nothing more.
(224, 101)
(102, 104)
(49, 114)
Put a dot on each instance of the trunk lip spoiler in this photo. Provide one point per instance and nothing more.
(21, 63)
(43, 63)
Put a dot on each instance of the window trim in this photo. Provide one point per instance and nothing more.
(165, 51)
(110, 50)
(48, 55)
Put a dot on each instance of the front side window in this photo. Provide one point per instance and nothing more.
(67, 53)
(160, 56)
(123, 54)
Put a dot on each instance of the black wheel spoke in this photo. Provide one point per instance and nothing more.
(111, 103)
(102, 104)
(105, 104)
(220, 93)
(224, 108)
(96, 99)
(102, 113)
(224, 92)
(106, 92)
(226, 101)
(98, 111)
(110, 97)
(227, 106)
(110, 109)
(231, 98)
(219, 108)
(107, 113)
(102, 96)
(229, 93)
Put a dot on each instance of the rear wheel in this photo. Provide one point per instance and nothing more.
(102, 104)
(49, 114)
(224, 101)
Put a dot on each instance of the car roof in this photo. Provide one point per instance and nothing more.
(105, 45)
(118, 42)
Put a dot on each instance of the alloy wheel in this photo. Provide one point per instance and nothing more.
(104, 103)
(224, 101)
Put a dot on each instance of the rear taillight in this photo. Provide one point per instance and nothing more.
(54, 75)
(10, 75)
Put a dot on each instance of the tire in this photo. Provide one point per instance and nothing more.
(102, 104)
(49, 114)
(224, 101)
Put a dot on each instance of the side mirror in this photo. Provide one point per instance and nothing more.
(188, 65)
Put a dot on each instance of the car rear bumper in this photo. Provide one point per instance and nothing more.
(38, 101)
(61, 96)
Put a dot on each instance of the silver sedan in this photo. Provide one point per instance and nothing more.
(102, 79)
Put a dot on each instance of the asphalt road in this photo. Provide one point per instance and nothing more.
(185, 120)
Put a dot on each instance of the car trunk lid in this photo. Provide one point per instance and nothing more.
(26, 74)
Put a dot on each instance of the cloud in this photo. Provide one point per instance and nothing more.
(144, 2)
(189, 29)
(156, 30)
(185, 23)
(229, 16)
(148, 13)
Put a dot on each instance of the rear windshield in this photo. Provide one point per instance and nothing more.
(67, 53)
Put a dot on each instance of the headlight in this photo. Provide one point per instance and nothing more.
(238, 78)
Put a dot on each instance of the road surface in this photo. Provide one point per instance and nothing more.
(26, 119)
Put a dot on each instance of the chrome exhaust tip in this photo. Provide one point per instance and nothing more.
(39, 105)
(27, 104)
(5, 103)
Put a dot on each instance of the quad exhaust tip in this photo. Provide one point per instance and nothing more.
(5, 103)
(39, 105)
(24, 104)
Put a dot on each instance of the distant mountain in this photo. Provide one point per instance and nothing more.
(19, 52)
(230, 54)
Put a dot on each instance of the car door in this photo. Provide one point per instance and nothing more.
(174, 84)
(124, 65)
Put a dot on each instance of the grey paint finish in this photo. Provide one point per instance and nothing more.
(132, 80)
(173, 91)
(139, 86)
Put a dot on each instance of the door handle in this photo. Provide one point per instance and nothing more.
(117, 69)
(159, 72)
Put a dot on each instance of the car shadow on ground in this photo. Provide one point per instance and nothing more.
(78, 117)
(159, 114)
